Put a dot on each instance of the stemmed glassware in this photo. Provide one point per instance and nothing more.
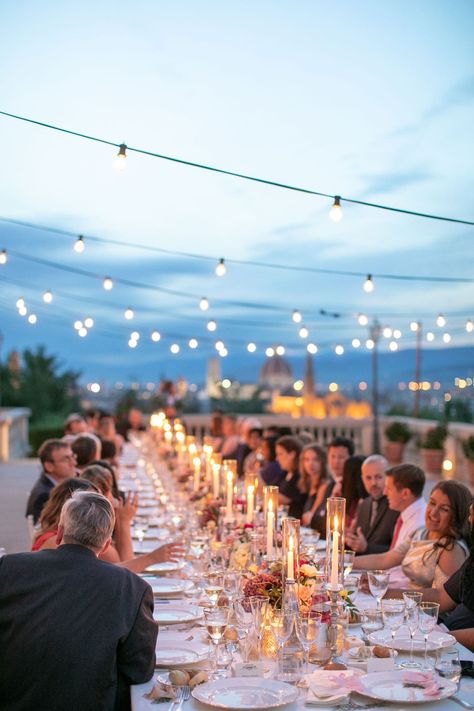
(259, 606)
(244, 619)
(214, 586)
(281, 624)
(378, 584)
(306, 629)
(427, 618)
(349, 557)
(232, 584)
(412, 601)
(393, 612)
(372, 621)
(216, 619)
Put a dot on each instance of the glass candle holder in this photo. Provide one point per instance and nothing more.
(336, 514)
(290, 528)
(270, 513)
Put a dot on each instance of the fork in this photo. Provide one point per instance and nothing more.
(183, 695)
(177, 699)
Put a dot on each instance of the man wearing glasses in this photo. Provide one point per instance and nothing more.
(59, 463)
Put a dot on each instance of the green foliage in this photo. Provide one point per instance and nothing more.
(398, 432)
(468, 448)
(457, 410)
(40, 386)
(435, 438)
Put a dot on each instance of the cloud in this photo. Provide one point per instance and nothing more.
(382, 183)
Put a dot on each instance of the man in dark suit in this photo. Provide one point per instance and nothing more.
(373, 530)
(75, 631)
(59, 463)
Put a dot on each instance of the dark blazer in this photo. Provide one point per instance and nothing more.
(379, 535)
(75, 632)
(39, 496)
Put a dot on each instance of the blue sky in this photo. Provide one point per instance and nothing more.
(370, 100)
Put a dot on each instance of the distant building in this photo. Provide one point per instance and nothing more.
(276, 374)
(213, 378)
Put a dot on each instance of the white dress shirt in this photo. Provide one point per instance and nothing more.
(413, 517)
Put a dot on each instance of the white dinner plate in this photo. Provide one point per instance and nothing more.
(402, 642)
(245, 693)
(163, 568)
(164, 587)
(176, 614)
(178, 654)
(390, 686)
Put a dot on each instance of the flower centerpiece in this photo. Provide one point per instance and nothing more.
(267, 581)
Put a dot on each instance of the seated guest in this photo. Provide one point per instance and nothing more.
(75, 424)
(316, 483)
(59, 463)
(230, 437)
(108, 452)
(352, 488)
(47, 537)
(92, 420)
(83, 629)
(270, 472)
(288, 450)
(116, 492)
(433, 553)
(86, 447)
(339, 449)
(254, 441)
(106, 429)
(373, 530)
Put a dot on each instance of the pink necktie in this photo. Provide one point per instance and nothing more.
(396, 531)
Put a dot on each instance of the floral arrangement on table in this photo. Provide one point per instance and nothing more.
(209, 512)
(239, 546)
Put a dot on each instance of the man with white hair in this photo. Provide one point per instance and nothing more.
(75, 631)
(373, 530)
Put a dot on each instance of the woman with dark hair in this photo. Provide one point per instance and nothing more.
(270, 472)
(288, 450)
(86, 448)
(106, 465)
(352, 487)
(316, 483)
(433, 553)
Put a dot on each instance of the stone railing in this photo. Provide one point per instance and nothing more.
(13, 433)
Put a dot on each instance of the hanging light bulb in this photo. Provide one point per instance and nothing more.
(251, 347)
(135, 336)
(21, 303)
(223, 352)
(132, 343)
(219, 345)
(387, 332)
(174, 348)
(362, 320)
(128, 314)
(79, 245)
(270, 352)
(370, 344)
(393, 345)
(355, 343)
(335, 213)
(296, 316)
(414, 326)
(88, 322)
(312, 348)
(397, 333)
(193, 343)
(3, 256)
(78, 325)
(47, 297)
(430, 336)
(32, 318)
(369, 284)
(211, 325)
(221, 268)
(469, 326)
(446, 338)
(155, 336)
(440, 321)
(82, 332)
(303, 332)
(339, 350)
(280, 350)
(204, 304)
(108, 284)
(22, 310)
(121, 157)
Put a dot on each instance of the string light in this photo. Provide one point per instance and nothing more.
(387, 332)
(335, 213)
(393, 345)
(132, 343)
(88, 322)
(79, 245)
(32, 318)
(3, 256)
(211, 326)
(22, 310)
(219, 345)
(108, 284)
(128, 314)
(369, 284)
(47, 297)
(204, 304)
(303, 332)
(269, 352)
(339, 350)
(296, 316)
(20, 303)
(312, 348)
(221, 268)
(223, 352)
(155, 336)
(82, 332)
(430, 336)
(469, 326)
(78, 325)
(440, 321)
(280, 350)
(397, 333)
(414, 326)
(135, 335)
(355, 343)
(251, 347)
(446, 338)
(174, 348)
(121, 158)
(362, 320)
(193, 343)
(370, 344)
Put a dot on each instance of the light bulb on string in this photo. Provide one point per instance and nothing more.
(362, 320)
(82, 332)
(397, 333)
(251, 347)
(47, 297)
(430, 336)
(22, 310)
(88, 322)
(221, 268)
(355, 343)
(132, 343)
(174, 348)
(204, 304)
(369, 284)
(393, 345)
(128, 314)
(469, 326)
(108, 284)
(414, 326)
(223, 352)
(440, 321)
(335, 213)
(370, 344)
(3, 256)
(121, 158)
(280, 350)
(303, 332)
(155, 336)
(32, 318)
(339, 350)
(20, 303)
(296, 316)
(219, 345)
(312, 348)
(193, 343)
(79, 245)
(78, 325)
(387, 332)
(446, 338)
(135, 336)
(211, 326)
(270, 352)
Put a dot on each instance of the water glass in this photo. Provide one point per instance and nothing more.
(378, 584)
(349, 557)
(393, 612)
(372, 621)
(427, 618)
(412, 602)
(448, 665)
(306, 629)
(216, 619)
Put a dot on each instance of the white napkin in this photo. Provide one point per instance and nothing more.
(332, 687)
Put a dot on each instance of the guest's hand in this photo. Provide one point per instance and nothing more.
(168, 552)
(127, 510)
(357, 541)
(306, 518)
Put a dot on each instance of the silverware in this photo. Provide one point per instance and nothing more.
(183, 695)
(461, 702)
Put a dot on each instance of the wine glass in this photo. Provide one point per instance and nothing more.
(232, 583)
(216, 619)
(244, 619)
(259, 606)
(393, 612)
(214, 587)
(306, 629)
(349, 557)
(378, 584)
(427, 618)
(448, 665)
(412, 601)
(372, 621)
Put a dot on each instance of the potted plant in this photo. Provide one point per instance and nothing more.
(432, 446)
(397, 435)
(468, 449)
